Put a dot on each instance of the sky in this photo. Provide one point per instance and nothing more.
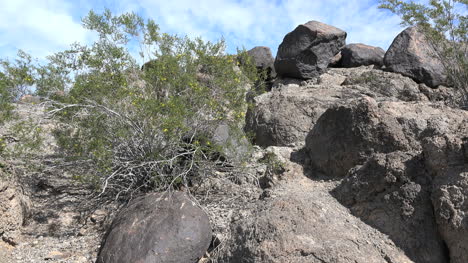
(42, 27)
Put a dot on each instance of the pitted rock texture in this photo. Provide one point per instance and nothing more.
(411, 55)
(157, 228)
(307, 50)
(391, 192)
(345, 136)
(284, 116)
(300, 222)
(446, 159)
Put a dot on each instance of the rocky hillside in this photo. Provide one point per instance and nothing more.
(360, 155)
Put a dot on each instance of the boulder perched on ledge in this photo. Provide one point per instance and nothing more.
(410, 54)
(307, 50)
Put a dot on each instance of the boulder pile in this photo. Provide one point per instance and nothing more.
(377, 132)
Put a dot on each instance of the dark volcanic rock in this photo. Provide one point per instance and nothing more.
(355, 55)
(391, 192)
(411, 55)
(345, 136)
(307, 50)
(157, 228)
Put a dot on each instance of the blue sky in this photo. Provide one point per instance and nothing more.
(41, 27)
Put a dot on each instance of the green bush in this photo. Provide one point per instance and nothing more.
(151, 127)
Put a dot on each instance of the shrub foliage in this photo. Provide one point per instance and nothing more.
(150, 127)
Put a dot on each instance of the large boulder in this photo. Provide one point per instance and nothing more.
(157, 228)
(411, 55)
(300, 222)
(392, 192)
(284, 116)
(307, 50)
(345, 136)
(355, 55)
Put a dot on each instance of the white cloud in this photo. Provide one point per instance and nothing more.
(47, 25)
(265, 22)
(38, 27)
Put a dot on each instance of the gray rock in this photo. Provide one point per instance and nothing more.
(157, 228)
(284, 116)
(234, 146)
(300, 222)
(307, 50)
(345, 136)
(14, 206)
(411, 55)
(264, 60)
(355, 55)
(391, 192)
(446, 160)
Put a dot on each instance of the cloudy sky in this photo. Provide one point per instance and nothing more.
(42, 27)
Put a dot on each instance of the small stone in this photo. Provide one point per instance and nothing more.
(56, 255)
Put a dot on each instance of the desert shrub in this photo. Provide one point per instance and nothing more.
(445, 26)
(151, 127)
(274, 166)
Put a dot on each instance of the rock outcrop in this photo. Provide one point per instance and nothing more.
(411, 55)
(392, 192)
(299, 221)
(347, 135)
(157, 228)
(307, 50)
(406, 171)
(285, 115)
(355, 55)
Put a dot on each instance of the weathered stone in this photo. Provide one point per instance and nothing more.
(345, 136)
(157, 228)
(14, 206)
(391, 192)
(300, 222)
(307, 50)
(355, 55)
(411, 55)
(446, 160)
(270, 119)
